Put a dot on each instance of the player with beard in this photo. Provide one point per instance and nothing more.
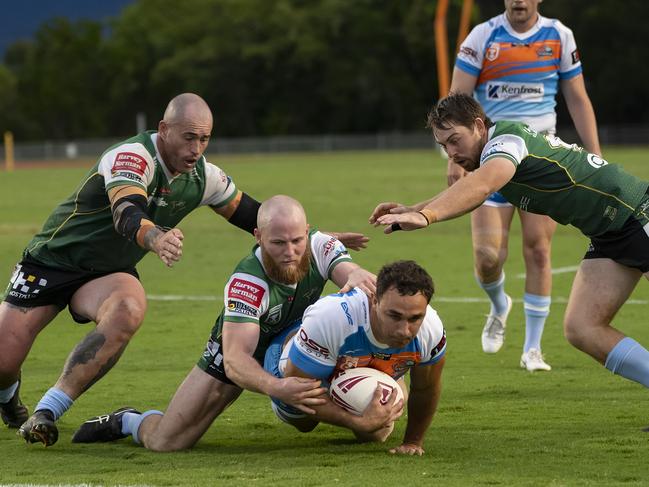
(267, 292)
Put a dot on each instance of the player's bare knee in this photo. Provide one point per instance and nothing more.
(488, 260)
(574, 331)
(537, 256)
(125, 314)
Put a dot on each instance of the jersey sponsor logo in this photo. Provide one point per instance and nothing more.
(25, 286)
(274, 314)
(159, 201)
(492, 51)
(610, 212)
(468, 52)
(246, 291)
(544, 51)
(494, 148)
(129, 161)
(329, 246)
(574, 55)
(596, 161)
(527, 92)
(439, 347)
(311, 346)
(127, 175)
(242, 308)
(348, 315)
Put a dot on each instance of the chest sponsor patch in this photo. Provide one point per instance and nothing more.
(131, 162)
(527, 92)
(246, 291)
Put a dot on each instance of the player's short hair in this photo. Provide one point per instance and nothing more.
(407, 277)
(456, 109)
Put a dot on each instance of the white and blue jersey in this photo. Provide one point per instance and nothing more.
(335, 334)
(518, 73)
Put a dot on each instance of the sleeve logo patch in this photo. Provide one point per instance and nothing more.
(129, 161)
(331, 244)
(311, 346)
(468, 52)
(575, 56)
(246, 291)
(242, 308)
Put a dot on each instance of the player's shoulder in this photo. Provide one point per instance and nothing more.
(556, 24)
(348, 310)
(433, 323)
(131, 161)
(485, 29)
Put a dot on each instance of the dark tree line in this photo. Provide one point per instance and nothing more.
(283, 66)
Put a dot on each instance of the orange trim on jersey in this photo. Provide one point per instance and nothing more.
(519, 59)
(122, 191)
(395, 365)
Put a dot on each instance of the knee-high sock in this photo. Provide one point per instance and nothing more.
(55, 400)
(496, 292)
(131, 423)
(630, 360)
(8, 393)
(537, 309)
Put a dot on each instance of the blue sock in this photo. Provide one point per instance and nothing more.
(537, 309)
(630, 360)
(131, 423)
(496, 292)
(55, 400)
(8, 393)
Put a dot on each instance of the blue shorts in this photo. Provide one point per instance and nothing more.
(271, 365)
(497, 200)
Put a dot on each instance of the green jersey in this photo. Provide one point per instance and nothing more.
(80, 233)
(250, 296)
(563, 181)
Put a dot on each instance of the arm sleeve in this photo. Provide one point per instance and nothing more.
(432, 337)
(328, 252)
(127, 164)
(245, 216)
(219, 187)
(245, 298)
(570, 64)
(471, 54)
(314, 347)
(509, 146)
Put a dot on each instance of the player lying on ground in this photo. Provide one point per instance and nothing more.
(268, 291)
(542, 174)
(394, 331)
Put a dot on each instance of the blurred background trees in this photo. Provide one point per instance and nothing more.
(283, 67)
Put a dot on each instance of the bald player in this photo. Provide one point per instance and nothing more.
(268, 292)
(84, 258)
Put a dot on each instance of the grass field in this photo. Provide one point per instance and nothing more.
(496, 424)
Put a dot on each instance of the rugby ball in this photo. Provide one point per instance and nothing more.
(353, 389)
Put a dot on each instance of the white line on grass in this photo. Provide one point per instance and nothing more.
(440, 299)
(558, 270)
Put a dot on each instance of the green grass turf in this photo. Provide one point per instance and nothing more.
(496, 424)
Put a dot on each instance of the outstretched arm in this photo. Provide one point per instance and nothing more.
(465, 195)
(239, 344)
(425, 391)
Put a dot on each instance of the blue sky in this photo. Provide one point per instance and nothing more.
(21, 19)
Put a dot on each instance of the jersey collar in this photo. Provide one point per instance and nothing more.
(524, 35)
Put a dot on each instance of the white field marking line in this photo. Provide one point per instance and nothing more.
(438, 299)
(69, 485)
(558, 270)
